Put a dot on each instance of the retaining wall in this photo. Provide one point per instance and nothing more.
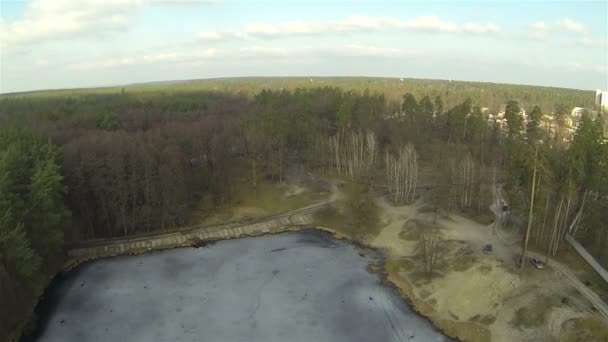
(111, 247)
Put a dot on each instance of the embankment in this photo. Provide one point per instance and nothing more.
(190, 236)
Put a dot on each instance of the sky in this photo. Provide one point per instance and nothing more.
(49, 44)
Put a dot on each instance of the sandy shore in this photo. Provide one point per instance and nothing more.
(478, 297)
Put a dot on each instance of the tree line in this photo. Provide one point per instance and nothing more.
(491, 95)
(33, 220)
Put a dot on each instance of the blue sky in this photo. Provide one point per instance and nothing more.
(78, 43)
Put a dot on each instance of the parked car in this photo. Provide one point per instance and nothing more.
(487, 249)
(537, 263)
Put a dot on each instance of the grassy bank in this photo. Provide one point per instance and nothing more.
(267, 198)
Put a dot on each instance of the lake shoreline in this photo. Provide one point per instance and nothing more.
(390, 281)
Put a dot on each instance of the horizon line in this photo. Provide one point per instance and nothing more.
(177, 81)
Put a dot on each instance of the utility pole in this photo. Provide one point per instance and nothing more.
(531, 213)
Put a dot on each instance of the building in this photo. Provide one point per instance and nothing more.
(547, 123)
(524, 117)
(577, 112)
(601, 98)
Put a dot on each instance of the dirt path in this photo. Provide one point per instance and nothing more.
(501, 217)
(477, 236)
(393, 220)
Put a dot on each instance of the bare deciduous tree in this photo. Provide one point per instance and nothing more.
(429, 246)
(467, 171)
(402, 174)
(354, 153)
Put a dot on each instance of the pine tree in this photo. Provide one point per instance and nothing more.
(514, 118)
(47, 214)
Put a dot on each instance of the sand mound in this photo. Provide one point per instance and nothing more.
(477, 291)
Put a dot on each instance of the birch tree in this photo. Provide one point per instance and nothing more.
(402, 174)
(354, 153)
(467, 173)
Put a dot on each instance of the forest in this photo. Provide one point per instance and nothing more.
(116, 162)
(491, 95)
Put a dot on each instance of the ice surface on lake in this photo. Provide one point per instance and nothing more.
(302, 286)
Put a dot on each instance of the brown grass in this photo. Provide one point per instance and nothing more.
(485, 320)
(485, 269)
(333, 218)
(535, 313)
(271, 198)
(267, 198)
(585, 273)
(355, 216)
(397, 265)
(465, 331)
(462, 263)
(412, 229)
(591, 328)
(484, 217)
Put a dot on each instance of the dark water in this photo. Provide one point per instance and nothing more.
(302, 286)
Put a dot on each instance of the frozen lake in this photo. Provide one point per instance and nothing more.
(303, 286)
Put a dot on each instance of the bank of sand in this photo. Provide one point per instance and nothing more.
(479, 297)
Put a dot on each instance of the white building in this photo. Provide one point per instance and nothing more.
(577, 112)
(601, 98)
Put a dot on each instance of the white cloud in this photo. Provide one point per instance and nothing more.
(372, 51)
(168, 57)
(42, 63)
(590, 42)
(538, 26)
(45, 20)
(430, 24)
(540, 29)
(219, 36)
(352, 50)
(351, 25)
(184, 2)
(572, 26)
(251, 52)
(573, 66)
